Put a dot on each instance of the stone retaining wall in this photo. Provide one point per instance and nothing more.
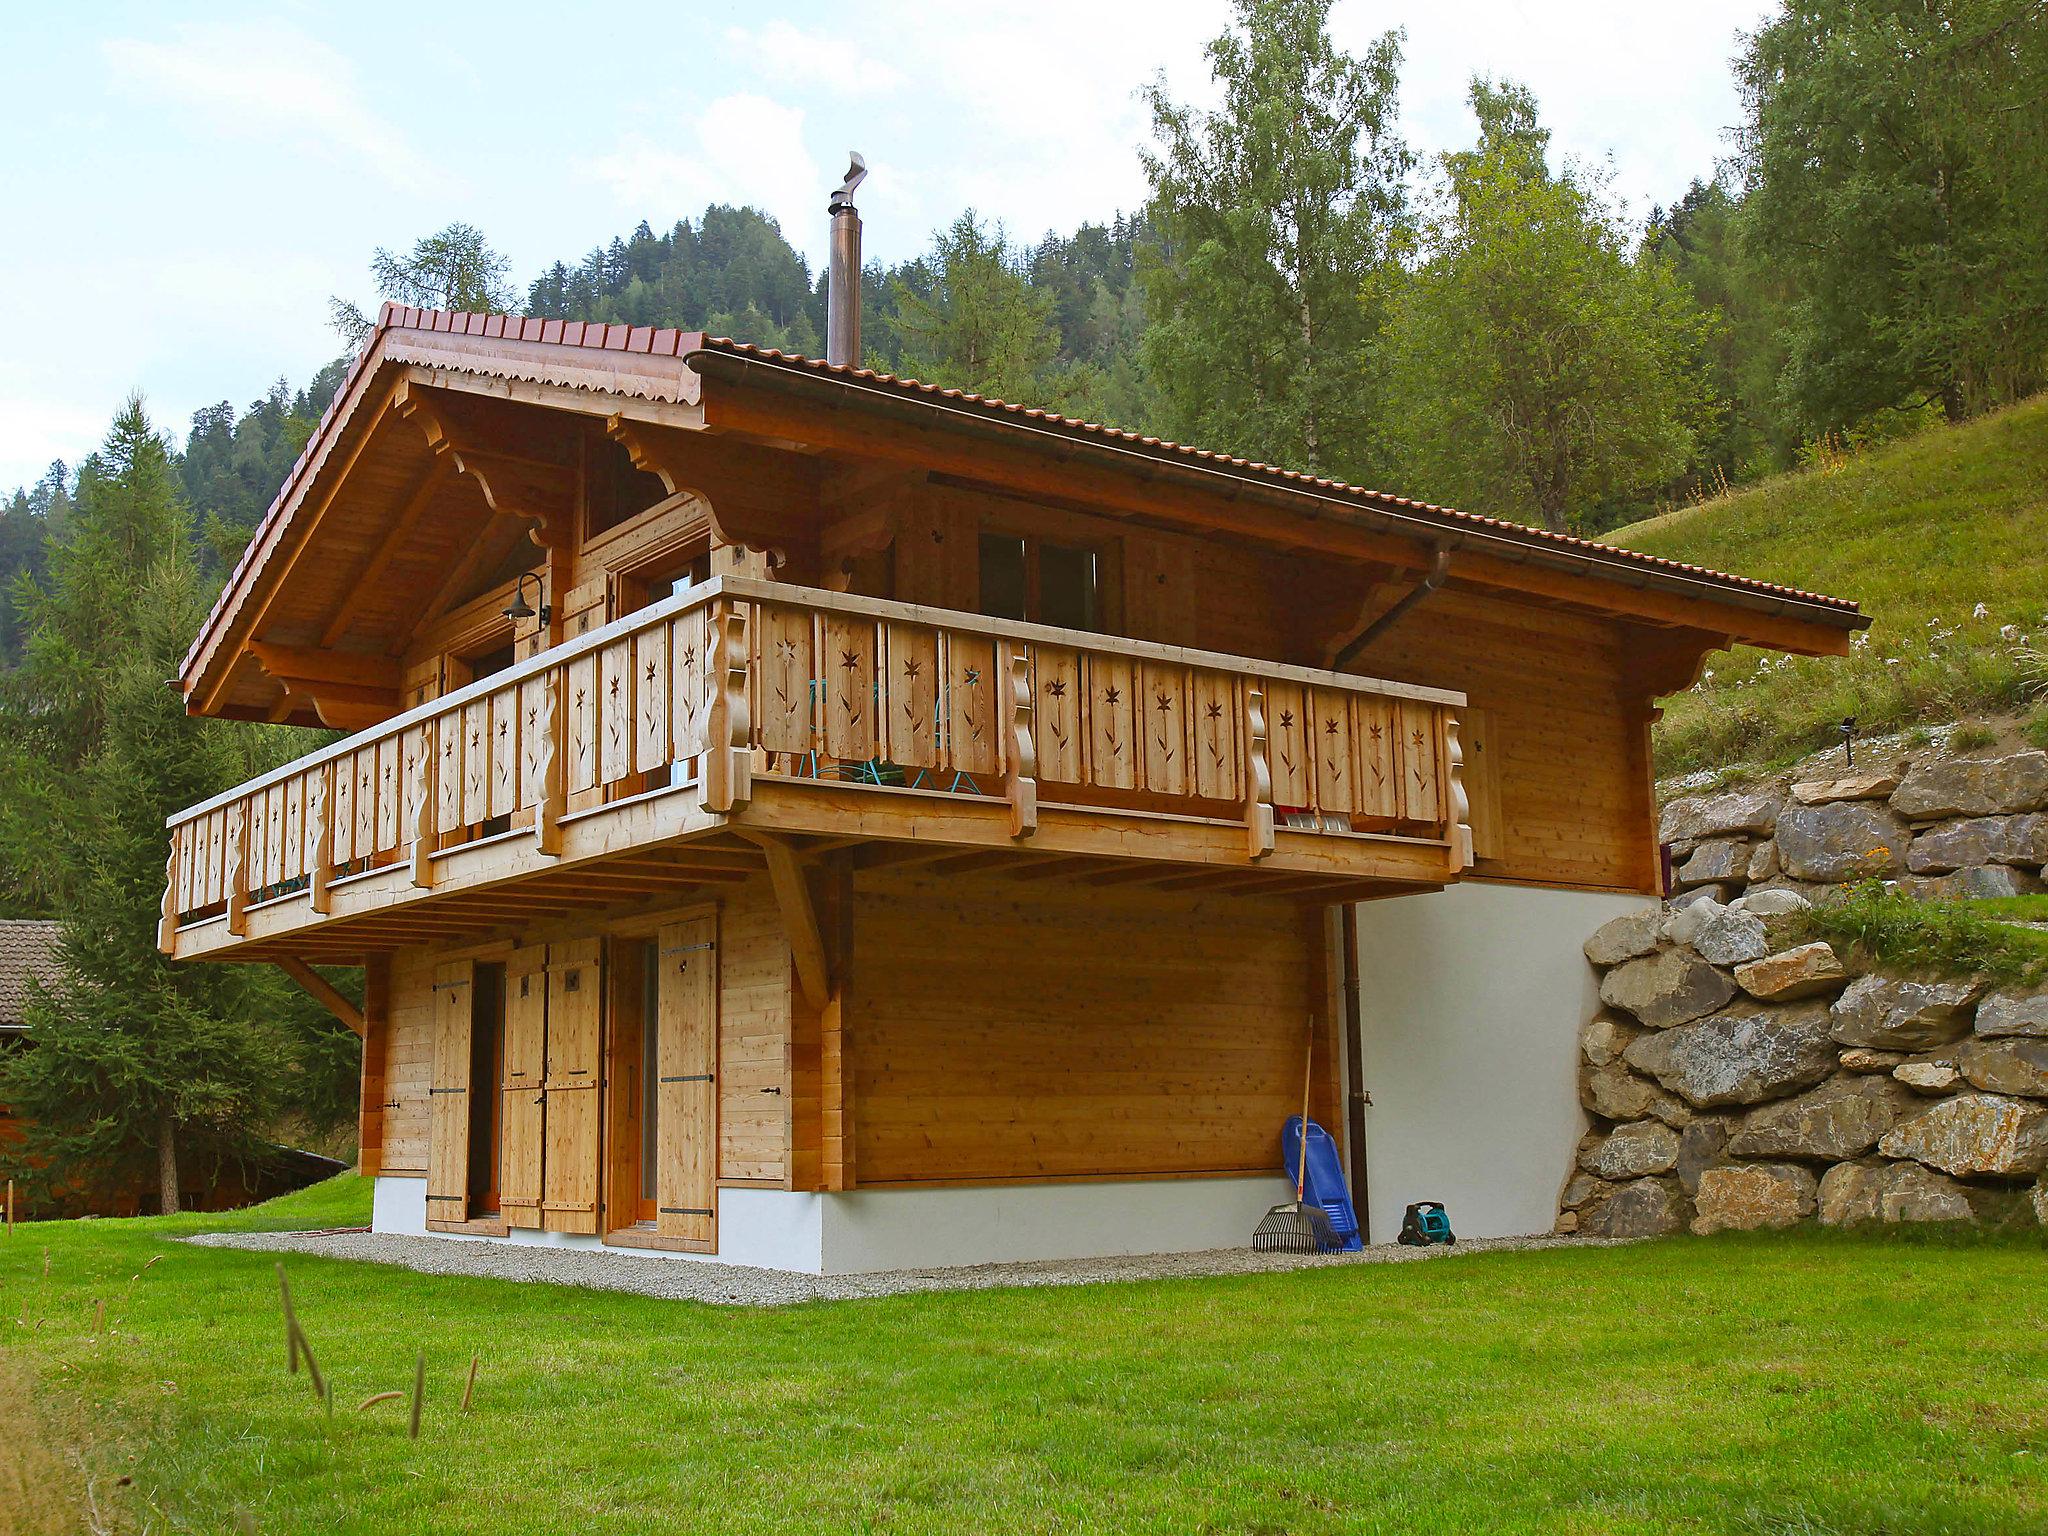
(1731, 1086)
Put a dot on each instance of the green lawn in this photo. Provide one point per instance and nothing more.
(1921, 532)
(1812, 1383)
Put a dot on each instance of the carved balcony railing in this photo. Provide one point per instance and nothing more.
(740, 683)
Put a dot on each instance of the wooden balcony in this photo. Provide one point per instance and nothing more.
(683, 746)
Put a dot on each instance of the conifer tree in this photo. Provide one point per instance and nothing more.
(134, 1065)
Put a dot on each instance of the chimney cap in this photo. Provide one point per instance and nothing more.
(856, 173)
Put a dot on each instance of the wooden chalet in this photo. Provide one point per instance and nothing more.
(797, 815)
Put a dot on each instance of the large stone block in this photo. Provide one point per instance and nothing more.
(1737, 813)
(1976, 883)
(1892, 1014)
(1860, 1058)
(1931, 1079)
(1851, 786)
(1975, 1135)
(1604, 1038)
(1773, 901)
(1667, 988)
(1644, 1208)
(1843, 1118)
(2016, 1065)
(1957, 844)
(1625, 937)
(1852, 1194)
(1692, 912)
(1736, 937)
(2012, 1012)
(1996, 786)
(1614, 1093)
(2026, 839)
(1700, 1146)
(1811, 970)
(1744, 1056)
(1753, 1195)
(1913, 1193)
(1716, 860)
(1848, 840)
(1632, 1151)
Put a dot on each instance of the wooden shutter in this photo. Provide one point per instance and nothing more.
(523, 1110)
(686, 1135)
(575, 1015)
(1476, 735)
(449, 1095)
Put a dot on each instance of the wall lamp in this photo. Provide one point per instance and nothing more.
(519, 608)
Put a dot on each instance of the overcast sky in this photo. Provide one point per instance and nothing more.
(184, 187)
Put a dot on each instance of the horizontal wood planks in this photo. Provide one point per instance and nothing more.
(1005, 1030)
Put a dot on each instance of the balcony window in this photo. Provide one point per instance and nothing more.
(1040, 582)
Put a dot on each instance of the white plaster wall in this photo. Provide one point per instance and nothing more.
(761, 1228)
(1472, 999)
(875, 1229)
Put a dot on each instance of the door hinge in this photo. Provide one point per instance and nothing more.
(447, 1090)
(684, 949)
(695, 1077)
(685, 1210)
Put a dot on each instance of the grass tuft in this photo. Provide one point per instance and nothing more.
(1887, 927)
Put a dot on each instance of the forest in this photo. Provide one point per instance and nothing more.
(1484, 328)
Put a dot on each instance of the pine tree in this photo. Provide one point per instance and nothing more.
(981, 326)
(1280, 215)
(134, 1065)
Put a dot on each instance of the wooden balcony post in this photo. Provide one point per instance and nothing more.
(1458, 806)
(420, 810)
(554, 798)
(320, 814)
(167, 922)
(1258, 773)
(725, 781)
(237, 857)
(1020, 757)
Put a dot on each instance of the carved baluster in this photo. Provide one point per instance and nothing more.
(554, 797)
(726, 778)
(1020, 766)
(1458, 806)
(238, 869)
(1258, 774)
(320, 812)
(420, 807)
(167, 923)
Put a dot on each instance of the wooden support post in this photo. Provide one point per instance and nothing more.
(10, 1207)
(1020, 758)
(421, 794)
(1458, 811)
(836, 1092)
(322, 991)
(376, 1037)
(238, 869)
(1258, 775)
(320, 816)
(167, 920)
(799, 920)
(726, 779)
(554, 799)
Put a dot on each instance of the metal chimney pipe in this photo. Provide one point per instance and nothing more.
(842, 282)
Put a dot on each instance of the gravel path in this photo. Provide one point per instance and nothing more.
(731, 1285)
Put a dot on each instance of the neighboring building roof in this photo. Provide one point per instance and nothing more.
(654, 379)
(28, 952)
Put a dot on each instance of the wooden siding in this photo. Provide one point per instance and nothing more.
(1007, 1030)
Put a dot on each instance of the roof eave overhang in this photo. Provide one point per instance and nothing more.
(1161, 463)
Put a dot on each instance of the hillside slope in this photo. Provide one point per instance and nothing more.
(1944, 540)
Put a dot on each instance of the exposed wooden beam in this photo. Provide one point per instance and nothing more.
(322, 991)
(799, 920)
(412, 506)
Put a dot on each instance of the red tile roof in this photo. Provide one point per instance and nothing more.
(664, 341)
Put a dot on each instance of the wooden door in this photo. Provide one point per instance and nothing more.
(523, 1109)
(686, 1133)
(575, 993)
(449, 1094)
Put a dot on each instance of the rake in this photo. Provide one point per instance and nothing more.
(1296, 1226)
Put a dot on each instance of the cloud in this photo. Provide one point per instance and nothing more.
(749, 150)
(264, 83)
(789, 54)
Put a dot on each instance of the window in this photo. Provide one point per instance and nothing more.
(1041, 582)
(486, 1077)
